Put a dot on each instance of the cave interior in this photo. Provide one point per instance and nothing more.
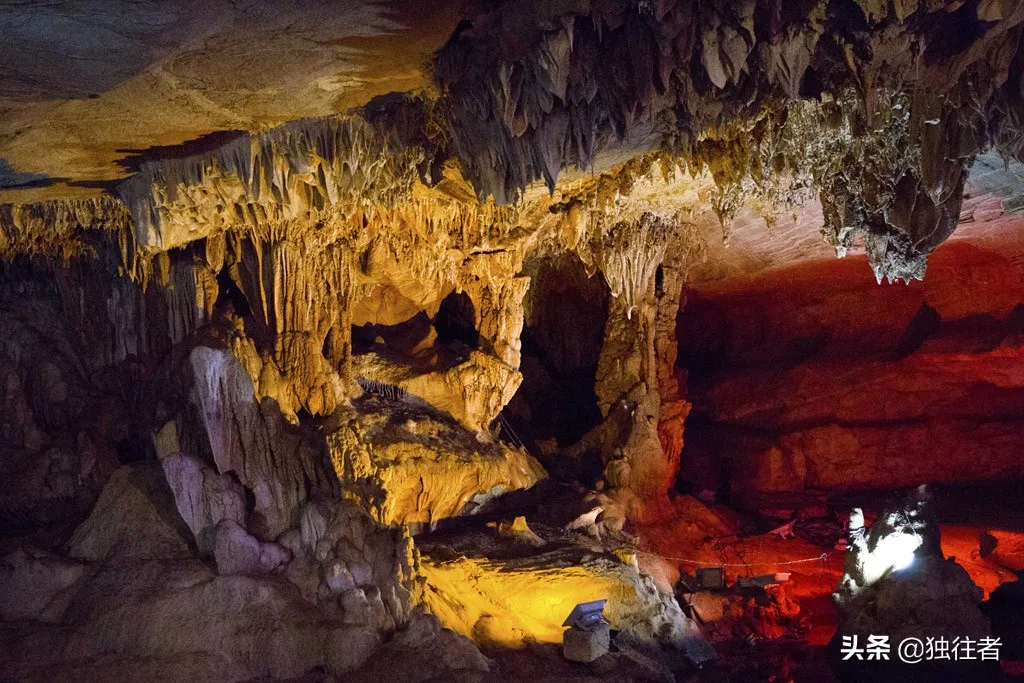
(363, 340)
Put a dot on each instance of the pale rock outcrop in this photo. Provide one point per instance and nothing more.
(204, 498)
(237, 552)
(144, 597)
(250, 439)
(370, 570)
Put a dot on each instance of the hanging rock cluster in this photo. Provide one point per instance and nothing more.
(901, 95)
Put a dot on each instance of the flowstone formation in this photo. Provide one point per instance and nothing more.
(274, 383)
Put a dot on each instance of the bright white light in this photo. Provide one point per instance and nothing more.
(894, 552)
(901, 563)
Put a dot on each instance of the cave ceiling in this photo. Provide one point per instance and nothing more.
(853, 119)
(87, 89)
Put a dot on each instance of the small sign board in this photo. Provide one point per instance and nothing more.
(586, 615)
(711, 578)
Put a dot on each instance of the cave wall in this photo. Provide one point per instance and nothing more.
(814, 377)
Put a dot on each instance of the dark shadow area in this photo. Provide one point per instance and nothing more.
(399, 342)
(455, 321)
(230, 295)
(11, 179)
(555, 405)
(204, 144)
(924, 324)
(134, 448)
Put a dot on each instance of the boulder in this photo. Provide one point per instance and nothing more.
(506, 595)
(35, 584)
(898, 583)
(586, 645)
(423, 650)
(204, 498)
(134, 519)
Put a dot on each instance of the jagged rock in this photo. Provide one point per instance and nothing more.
(204, 498)
(497, 594)
(519, 529)
(473, 392)
(222, 304)
(898, 583)
(234, 626)
(579, 645)
(522, 114)
(250, 439)
(355, 553)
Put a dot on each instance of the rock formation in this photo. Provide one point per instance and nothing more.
(272, 383)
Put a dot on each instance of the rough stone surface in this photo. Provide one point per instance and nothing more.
(133, 520)
(423, 651)
(296, 327)
(579, 645)
(204, 498)
(898, 583)
(237, 552)
(815, 379)
(408, 465)
(32, 583)
(501, 594)
(176, 72)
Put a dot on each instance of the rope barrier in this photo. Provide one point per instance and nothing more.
(818, 558)
(516, 441)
